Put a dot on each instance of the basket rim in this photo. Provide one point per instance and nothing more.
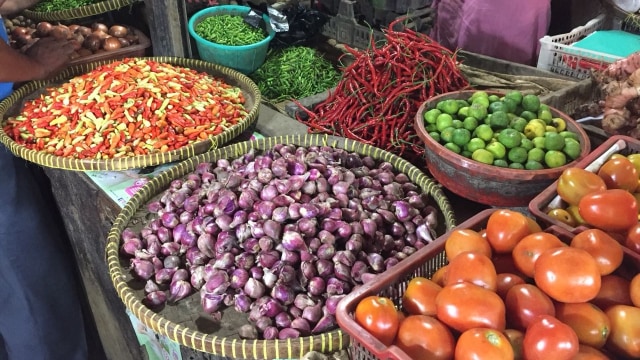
(134, 162)
(337, 339)
(80, 12)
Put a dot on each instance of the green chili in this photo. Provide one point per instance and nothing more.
(58, 5)
(294, 73)
(229, 30)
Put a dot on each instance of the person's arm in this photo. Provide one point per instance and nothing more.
(14, 6)
(42, 59)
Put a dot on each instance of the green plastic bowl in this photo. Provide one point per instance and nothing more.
(244, 58)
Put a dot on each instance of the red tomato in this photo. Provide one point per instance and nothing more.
(574, 183)
(464, 306)
(483, 343)
(515, 339)
(589, 322)
(613, 290)
(610, 210)
(605, 249)
(632, 239)
(530, 247)
(505, 228)
(586, 352)
(524, 303)
(506, 281)
(378, 316)
(567, 274)
(425, 337)
(420, 296)
(634, 290)
(461, 240)
(440, 276)
(504, 264)
(619, 173)
(472, 267)
(548, 338)
(625, 330)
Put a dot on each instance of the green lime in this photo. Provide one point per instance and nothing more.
(484, 132)
(544, 107)
(554, 158)
(462, 103)
(510, 104)
(511, 116)
(553, 141)
(484, 101)
(463, 112)
(449, 106)
(515, 95)
(546, 116)
(569, 134)
(510, 138)
(497, 149)
(528, 115)
(453, 147)
(535, 154)
(571, 148)
(526, 143)
(538, 142)
(533, 165)
(487, 120)
(497, 106)
(516, 166)
(466, 153)
(531, 103)
(461, 136)
(475, 144)
(435, 135)
(518, 123)
(534, 128)
(499, 120)
(483, 156)
(444, 121)
(457, 123)
(470, 123)
(431, 127)
(431, 115)
(518, 155)
(494, 98)
(477, 111)
(501, 163)
(479, 94)
(447, 134)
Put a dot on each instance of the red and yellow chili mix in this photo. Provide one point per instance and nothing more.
(127, 108)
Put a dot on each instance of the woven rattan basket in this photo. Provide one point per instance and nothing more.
(183, 328)
(12, 105)
(80, 12)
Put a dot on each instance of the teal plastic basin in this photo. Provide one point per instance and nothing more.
(244, 58)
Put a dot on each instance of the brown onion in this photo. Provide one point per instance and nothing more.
(101, 34)
(91, 43)
(73, 27)
(118, 31)
(111, 43)
(83, 30)
(99, 27)
(123, 42)
(60, 32)
(43, 29)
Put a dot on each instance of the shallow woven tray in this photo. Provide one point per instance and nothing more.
(13, 105)
(180, 322)
(81, 12)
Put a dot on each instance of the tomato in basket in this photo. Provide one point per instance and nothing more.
(632, 239)
(483, 343)
(425, 337)
(610, 210)
(464, 306)
(527, 250)
(625, 330)
(549, 338)
(589, 322)
(505, 228)
(524, 303)
(574, 183)
(378, 316)
(619, 173)
(606, 250)
(420, 296)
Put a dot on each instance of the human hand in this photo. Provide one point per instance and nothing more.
(51, 54)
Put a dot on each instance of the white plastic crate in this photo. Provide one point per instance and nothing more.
(557, 54)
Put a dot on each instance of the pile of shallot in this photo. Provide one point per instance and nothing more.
(282, 235)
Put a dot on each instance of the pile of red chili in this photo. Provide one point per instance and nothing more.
(127, 108)
(380, 92)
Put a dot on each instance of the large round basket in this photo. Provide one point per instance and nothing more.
(12, 105)
(79, 12)
(184, 321)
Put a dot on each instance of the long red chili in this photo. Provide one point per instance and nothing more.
(380, 92)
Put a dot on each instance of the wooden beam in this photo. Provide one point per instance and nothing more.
(168, 28)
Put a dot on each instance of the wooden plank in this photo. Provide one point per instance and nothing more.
(88, 214)
(169, 35)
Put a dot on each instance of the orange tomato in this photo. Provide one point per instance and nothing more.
(524, 303)
(378, 316)
(527, 250)
(632, 238)
(472, 267)
(605, 249)
(586, 352)
(420, 296)
(574, 183)
(461, 240)
(634, 290)
(625, 330)
(567, 274)
(505, 228)
(589, 322)
(619, 173)
(610, 210)
(425, 337)
(440, 276)
(614, 290)
(464, 306)
(483, 343)
(506, 281)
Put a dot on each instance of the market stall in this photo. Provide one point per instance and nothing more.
(221, 219)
